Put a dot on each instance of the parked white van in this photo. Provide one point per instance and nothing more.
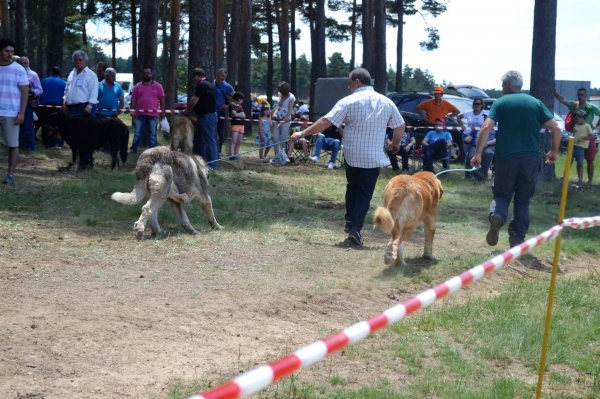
(126, 82)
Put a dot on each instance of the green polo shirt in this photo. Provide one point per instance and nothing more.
(520, 117)
(589, 109)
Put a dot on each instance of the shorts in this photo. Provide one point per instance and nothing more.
(9, 132)
(590, 153)
(578, 153)
(238, 128)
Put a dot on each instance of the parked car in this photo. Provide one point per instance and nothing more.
(472, 92)
(407, 102)
(181, 103)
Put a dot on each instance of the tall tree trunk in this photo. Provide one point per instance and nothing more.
(134, 55)
(19, 27)
(171, 72)
(219, 35)
(56, 29)
(234, 44)
(542, 68)
(39, 62)
(4, 18)
(30, 14)
(165, 39)
(366, 35)
(282, 11)
(244, 72)
(202, 48)
(399, 40)
(380, 67)
(353, 39)
(113, 33)
(84, 38)
(319, 64)
(269, 51)
(293, 79)
(149, 46)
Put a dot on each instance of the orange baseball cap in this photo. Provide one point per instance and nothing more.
(439, 89)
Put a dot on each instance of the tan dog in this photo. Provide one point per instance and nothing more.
(161, 175)
(182, 135)
(408, 200)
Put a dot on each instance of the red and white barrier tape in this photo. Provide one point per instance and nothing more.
(256, 380)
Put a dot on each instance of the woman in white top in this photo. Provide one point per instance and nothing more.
(282, 117)
(474, 120)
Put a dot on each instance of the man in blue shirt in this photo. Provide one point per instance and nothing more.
(222, 92)
(110, 95)
(54, 89)
(435, 145)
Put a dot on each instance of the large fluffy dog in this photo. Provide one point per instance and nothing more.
(86, 134)
(408, 200)
(182, 135)
(163, 175)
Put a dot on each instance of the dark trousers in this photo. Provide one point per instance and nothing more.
(394, 161)
(359, 191)
(432, 152)
(27, 131)
(220, 129)
(85, 157)
(515, 180)
(48, 138)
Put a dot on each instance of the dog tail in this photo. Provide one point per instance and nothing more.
(124, 143)
(141, 185)
(383, 218)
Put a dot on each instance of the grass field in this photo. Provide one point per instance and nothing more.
(164, 318)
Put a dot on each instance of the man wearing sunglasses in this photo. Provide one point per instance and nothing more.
(590, 110)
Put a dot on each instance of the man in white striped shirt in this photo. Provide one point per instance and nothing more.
(366, 115)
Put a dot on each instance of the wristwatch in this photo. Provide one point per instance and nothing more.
(89, 106)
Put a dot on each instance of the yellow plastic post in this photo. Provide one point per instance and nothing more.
(561, 215)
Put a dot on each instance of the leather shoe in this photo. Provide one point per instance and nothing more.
(355, 238)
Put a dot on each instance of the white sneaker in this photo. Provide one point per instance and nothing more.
(314, 159)
(330, 166)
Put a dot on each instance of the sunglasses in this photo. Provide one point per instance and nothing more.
(474, 104)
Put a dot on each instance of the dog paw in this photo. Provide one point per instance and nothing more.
(139, 234)
(429, 256)
(216, 226)
(389, 258)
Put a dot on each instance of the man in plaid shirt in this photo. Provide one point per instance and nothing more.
(366, 115)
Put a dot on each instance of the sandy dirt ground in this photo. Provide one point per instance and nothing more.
(88, 312)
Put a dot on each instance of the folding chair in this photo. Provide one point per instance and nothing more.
(297, 152)
(439, 165)
(325, 155)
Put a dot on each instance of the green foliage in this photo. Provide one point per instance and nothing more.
(337, 67)
(416, 79)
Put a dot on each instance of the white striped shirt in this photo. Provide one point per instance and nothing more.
(12, 76)
(366, 115)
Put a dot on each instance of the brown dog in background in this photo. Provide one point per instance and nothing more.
(182, 135)
(408, 200)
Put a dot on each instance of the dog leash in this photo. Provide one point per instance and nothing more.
(249, 151)
(474, 168)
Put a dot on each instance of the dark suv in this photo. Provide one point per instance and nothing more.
(407, 102)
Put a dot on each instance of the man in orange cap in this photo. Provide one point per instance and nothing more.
(436, 108)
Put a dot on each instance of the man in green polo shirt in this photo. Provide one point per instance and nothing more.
(520, 117)
(590, 111)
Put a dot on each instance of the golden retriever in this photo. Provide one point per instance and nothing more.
(408, 200)
(161, 175)
(182, 135)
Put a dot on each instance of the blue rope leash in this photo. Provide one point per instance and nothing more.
(249, 151)
(474, 168)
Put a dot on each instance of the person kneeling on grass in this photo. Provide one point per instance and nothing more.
(237, 125)
(330, 140)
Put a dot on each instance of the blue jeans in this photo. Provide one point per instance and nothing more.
(205, 144)
(516, 178)
(144, 123)
(486, 160)
(85, 157)
(328, 144)
(433, 152)
(359, 191)
(27, 132)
